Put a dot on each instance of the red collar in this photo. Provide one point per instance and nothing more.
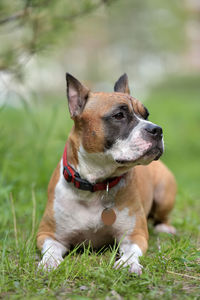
(72, 176)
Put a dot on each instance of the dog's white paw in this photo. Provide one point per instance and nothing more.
(132, 263)
(165, 228)
(49, 262)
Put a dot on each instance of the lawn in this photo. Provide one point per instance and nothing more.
(32, 139)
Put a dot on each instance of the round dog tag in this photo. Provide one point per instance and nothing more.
(108, 216)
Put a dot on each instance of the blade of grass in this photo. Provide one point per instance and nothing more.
(33, 215)
(14, 218)
(184, 275)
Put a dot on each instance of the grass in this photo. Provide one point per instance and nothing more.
(32, 141)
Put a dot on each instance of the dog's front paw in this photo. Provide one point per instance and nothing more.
(132, 263)
(49, 263)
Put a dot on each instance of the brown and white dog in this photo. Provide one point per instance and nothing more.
(108, 183)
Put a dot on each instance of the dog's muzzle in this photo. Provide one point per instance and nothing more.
(155, 134)
(154, 131)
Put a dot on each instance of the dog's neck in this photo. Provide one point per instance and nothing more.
(94, 167)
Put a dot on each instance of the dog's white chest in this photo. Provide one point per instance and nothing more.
(78, 217)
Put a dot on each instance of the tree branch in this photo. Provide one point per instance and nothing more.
(26, 10)
(14, 17)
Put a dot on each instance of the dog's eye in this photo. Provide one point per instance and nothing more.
(119, 116)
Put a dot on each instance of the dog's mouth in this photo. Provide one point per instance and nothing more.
(150, 155)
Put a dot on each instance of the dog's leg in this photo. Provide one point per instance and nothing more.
(134, 246)
(164, 199)
(53, 253)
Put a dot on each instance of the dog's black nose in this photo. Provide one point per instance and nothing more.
(154, 130)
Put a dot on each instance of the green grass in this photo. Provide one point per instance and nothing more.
(32, 141)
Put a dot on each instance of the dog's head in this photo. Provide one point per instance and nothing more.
(112, 129)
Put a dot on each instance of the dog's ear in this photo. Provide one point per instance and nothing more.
(77, 95)
(121, 85)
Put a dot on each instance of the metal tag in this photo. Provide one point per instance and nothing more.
(108, 216)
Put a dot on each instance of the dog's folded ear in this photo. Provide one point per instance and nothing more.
(77, 95)
(121, 85)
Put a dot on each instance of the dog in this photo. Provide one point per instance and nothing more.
(109, 180)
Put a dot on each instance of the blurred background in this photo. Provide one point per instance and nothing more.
(157, 43)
